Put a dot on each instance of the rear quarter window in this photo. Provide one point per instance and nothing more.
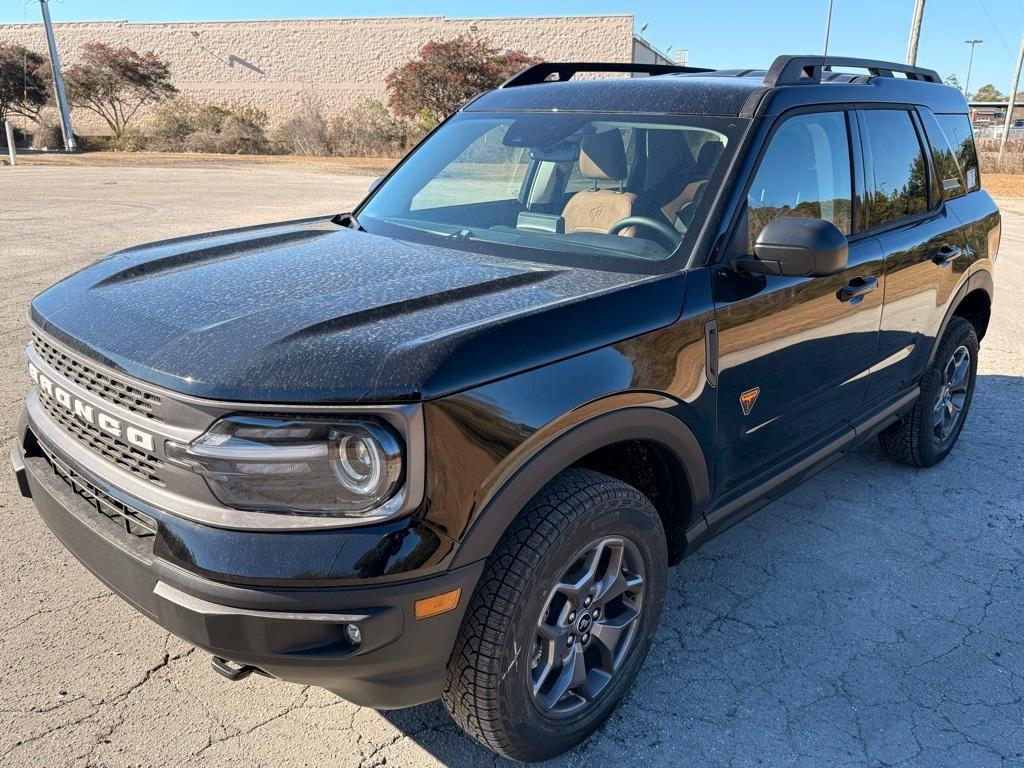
(951, 182)
(957, 129)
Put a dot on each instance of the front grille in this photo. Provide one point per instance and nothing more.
(135, 522)
(129, 457)
(127, 396)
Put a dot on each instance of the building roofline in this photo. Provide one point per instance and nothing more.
(330, 18)
(638, 38)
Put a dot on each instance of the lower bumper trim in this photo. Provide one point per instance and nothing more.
(283, 632)
(19, 472)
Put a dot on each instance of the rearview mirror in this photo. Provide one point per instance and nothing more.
(797, 247)
(561, 152)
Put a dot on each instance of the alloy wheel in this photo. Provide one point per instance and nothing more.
(952, 395)
(587, 627)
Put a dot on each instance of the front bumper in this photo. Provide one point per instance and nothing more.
(292, 633)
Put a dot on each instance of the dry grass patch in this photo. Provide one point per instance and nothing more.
(361, 166)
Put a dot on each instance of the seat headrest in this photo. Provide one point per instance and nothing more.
(603, 157)
(710, 151)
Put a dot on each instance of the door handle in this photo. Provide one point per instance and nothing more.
(946, 255)
(856, 289)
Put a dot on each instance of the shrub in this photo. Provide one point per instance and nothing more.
(22, 138)
(128, 141)
(184, 125)
(368, 130)
(304, 134)
(48, 135)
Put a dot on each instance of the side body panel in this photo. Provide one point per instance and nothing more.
(482, 440)
(805, 351)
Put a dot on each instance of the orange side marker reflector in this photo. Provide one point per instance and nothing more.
(432, 606)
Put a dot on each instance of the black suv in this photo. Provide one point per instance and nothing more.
(447, 445)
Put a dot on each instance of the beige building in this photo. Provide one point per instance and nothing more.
(276, 64)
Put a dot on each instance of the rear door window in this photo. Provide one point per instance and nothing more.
(894, 152)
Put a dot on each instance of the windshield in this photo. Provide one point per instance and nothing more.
(602, 190)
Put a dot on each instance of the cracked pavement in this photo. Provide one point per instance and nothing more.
(872, 617)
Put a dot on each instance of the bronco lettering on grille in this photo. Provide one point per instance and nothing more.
(89, 414)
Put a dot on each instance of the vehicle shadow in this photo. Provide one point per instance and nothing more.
(871, 616)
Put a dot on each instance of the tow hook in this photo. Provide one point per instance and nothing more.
(233, 671)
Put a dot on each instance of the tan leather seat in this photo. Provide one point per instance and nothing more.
(602, 158)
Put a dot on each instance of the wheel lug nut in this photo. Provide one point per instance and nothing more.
(585, 638)
(588, 601)
(572, 616)
(597, 613)
(570, 639)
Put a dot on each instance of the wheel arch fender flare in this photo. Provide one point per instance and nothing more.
(526, 472)
(980, 279)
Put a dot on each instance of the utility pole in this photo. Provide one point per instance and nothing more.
(915, 32)
(1008, 120)
(11, 149)
(828, 27)
(58, 81)
(970, 64)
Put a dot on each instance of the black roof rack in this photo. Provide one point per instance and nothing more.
(539, 73)
(807, 70)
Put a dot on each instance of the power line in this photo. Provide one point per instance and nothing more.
(999, 34)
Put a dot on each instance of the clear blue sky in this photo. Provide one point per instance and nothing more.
(720, 33)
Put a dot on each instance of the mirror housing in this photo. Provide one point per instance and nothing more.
(791, 246)
(374, 183)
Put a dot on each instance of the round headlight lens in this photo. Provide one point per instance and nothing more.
(300, 464)
(357, 462)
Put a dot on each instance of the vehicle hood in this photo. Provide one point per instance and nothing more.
(310, 311)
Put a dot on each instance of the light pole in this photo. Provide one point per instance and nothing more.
(915, 32)
(828, 26)
(58, 81)
(970, 63)
(1008, 121)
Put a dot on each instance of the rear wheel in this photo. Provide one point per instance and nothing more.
(928, 434)
(562, 619)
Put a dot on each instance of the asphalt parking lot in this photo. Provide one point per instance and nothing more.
(873, 617)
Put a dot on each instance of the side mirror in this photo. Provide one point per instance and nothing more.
(797, 247)
(374, 184)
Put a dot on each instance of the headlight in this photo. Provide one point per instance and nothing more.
(301, 465)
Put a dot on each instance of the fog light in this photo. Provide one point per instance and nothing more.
(354, 635)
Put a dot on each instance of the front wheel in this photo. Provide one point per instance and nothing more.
(928, 434)
(562, 619)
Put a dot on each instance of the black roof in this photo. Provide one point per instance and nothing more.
(791, 81)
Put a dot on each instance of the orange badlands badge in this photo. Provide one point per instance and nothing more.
(748, 398)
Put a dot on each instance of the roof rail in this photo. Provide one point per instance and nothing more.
(806, 70)
(539, 73)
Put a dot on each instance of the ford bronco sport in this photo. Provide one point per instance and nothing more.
(447, 445)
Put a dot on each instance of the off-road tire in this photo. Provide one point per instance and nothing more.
(488, 690)
(912, 440)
